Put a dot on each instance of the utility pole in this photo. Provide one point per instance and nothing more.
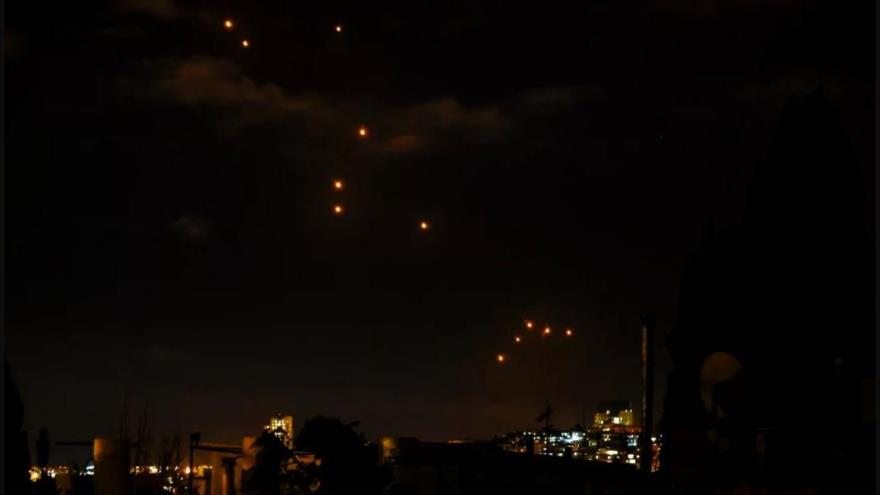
(647, 393)
(194, 439)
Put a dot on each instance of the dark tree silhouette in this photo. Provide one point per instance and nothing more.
(545, 417)
(265, 477)
(347, 464)
(16, 458)
(788, 293)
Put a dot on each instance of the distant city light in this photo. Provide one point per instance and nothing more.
(517, 339)
(546, 330)
(424, 225)
(500, 358)
(245, 43)
(337, 184)
(338, 28)
(337, 209)
(568, 332)
(228, 24)
(529, 324)
(362, 131)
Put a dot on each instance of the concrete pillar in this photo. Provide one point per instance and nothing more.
(216, 474)
(228, 481)
(112, 465)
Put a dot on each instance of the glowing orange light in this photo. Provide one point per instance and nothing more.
(339, 28)
(337, 209)
(529, 324)
(337, 184)
(424, 225)
(568, 332)
(500, 358)
(228, 24)
(517, 339)
(546, 330)
(362, 131)
(245, 43)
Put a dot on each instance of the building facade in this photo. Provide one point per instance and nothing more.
(282, 427)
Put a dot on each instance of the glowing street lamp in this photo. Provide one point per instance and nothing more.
(337, 184)
(529, 324)
(568, 332)
(546, 331)
(338, 28)
(245, 43)
(517, 339)
(424, 225)
(500, 358)
(228, 24)
(362, 131)
(337, 209)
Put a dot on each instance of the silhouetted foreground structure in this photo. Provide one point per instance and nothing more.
(428, 468)
(774, 349)
(16, 460)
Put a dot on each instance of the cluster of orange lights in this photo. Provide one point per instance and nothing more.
(530, 325)
(229, 25)
(362, 131)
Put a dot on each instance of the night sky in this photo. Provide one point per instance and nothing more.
(169, 229)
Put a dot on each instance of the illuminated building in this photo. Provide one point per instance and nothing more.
(613, 413)
(282, 427)
(553, 443)
(613, 439)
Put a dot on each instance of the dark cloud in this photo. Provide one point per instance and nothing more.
(439, 121)
(447, 113)
(162, 9)
(210, 81)
(560, 97)
(191, 227)
(715, 8)
(160, 353)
